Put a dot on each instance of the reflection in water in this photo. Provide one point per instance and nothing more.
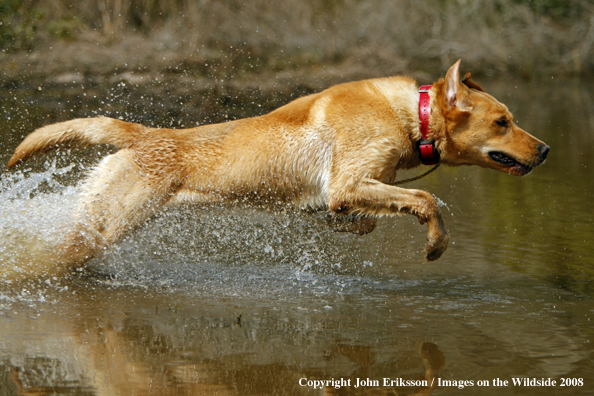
(129, 361)
(361, 384)
(248, 301)
(81, 335)
(93, 346)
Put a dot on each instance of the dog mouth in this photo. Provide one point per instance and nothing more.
(514, 166)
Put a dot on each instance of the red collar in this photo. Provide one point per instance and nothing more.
(429, 154)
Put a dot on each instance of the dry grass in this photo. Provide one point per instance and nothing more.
(380, 36)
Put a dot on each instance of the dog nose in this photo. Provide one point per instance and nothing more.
(544, 151)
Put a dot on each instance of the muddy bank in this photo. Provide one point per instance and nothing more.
(203, 60)
(314, 43)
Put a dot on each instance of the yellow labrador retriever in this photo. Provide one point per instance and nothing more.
(339, 149)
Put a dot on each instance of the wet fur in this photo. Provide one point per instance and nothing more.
(338, 149)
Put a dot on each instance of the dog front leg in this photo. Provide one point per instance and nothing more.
(373, 198)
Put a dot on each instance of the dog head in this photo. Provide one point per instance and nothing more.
(476, 129)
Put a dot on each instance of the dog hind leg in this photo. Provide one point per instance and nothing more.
(117, 196)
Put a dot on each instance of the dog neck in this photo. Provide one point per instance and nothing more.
(426, 147)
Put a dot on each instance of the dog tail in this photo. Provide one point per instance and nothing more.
(89, 131)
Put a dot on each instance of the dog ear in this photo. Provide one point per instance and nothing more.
(471, 84)
(456, 94)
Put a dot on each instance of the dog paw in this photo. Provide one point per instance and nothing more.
(437, 238)
(359, 225)
(435, 248)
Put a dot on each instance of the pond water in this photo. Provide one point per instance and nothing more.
(249, 301)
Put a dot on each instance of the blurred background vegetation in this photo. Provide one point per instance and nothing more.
(230, 38)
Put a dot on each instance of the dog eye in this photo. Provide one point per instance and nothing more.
(501, 123)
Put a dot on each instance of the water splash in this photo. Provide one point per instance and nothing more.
(238, 249)
(36, 209)
(442, 204)
(221, 249)
(24, 185)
